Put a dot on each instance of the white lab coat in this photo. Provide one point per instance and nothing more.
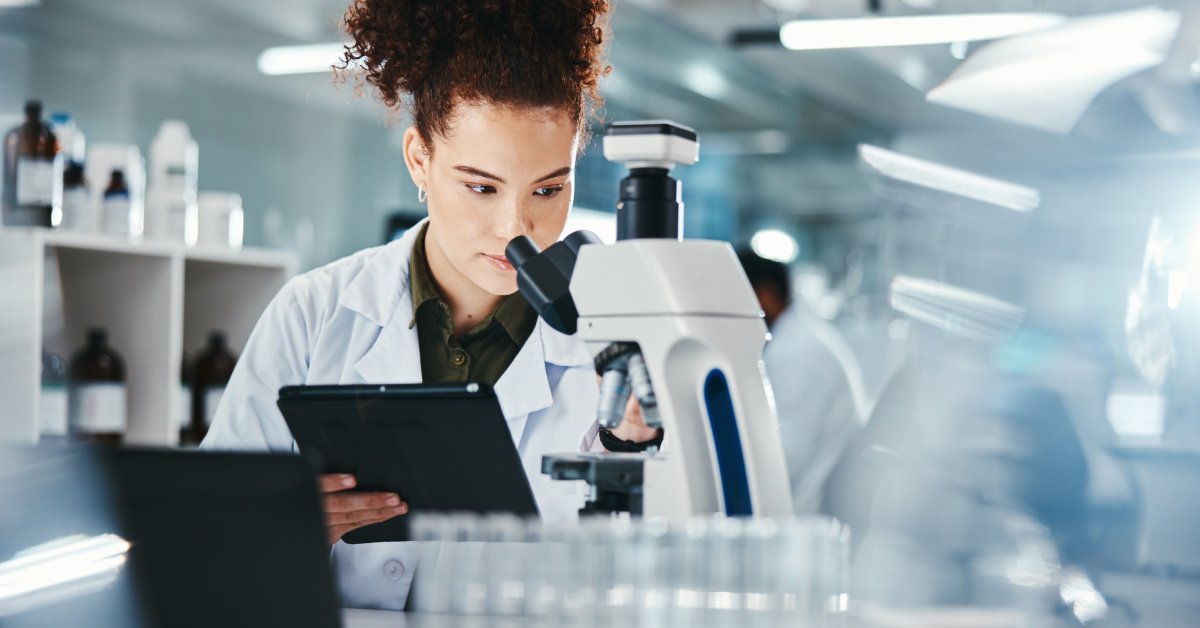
(819, 398)
(350, 323)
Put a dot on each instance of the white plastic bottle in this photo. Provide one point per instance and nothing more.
(171, 197)
(221, 221)
(70, 139)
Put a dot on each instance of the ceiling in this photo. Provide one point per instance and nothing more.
(793, 118)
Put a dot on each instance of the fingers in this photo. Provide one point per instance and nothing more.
(333, 482)
(339, 523)
(346, 502)
(364, 517)
(633, 412)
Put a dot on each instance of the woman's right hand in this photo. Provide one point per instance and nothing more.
(349, 511)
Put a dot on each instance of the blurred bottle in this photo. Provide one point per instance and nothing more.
(33, 171)
(52, 415)
(102, 160)
(77, 211)
(221, 220)
(171, 211)
(210, 375)
(71, 141)
(97, 397)
(183, 402)
(116, 210)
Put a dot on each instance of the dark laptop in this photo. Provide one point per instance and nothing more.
(214, 539)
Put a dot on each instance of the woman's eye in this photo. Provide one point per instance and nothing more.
(550, 192)
(481, 189)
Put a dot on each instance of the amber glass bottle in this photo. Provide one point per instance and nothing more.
(210, 374)
(33, 172)
(97, 395)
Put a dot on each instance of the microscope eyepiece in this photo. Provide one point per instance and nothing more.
(520, 250)
(650, 204)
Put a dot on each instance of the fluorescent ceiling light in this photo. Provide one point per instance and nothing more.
(1049, 80)
(706, 80)
(951, 180)
(776, 245)
(953, 309)
(916, 30)
(300, 59)
(17, 4)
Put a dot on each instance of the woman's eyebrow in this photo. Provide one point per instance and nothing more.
(483, 174)
(479, 173)
(561, 172)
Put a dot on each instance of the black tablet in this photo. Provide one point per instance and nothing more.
(441, 447)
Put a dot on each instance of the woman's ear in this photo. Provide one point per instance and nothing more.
(416, 157)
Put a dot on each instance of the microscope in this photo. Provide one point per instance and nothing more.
(675, 324)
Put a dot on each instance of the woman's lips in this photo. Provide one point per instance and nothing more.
(499, 262)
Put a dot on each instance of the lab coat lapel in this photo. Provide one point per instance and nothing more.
(524, 387)
(395, 355)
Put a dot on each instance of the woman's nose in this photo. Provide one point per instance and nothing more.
(512, 223)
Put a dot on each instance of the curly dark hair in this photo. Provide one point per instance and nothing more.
(524, 53)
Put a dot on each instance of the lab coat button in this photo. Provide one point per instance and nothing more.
(393, 569)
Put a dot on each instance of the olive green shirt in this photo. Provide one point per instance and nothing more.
(480, 355)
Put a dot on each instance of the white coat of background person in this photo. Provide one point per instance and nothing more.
(493, 155)
(815, 381)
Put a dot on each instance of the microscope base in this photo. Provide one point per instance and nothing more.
(616, 479)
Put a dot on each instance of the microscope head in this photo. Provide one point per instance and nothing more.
(658, 144)
(650, 204)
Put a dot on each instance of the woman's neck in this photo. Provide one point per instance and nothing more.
(469, 304)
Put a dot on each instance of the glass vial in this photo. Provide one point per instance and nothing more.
(97, 397)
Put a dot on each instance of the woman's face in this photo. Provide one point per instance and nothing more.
(500, 172)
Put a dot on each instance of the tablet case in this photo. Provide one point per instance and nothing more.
(441, 447)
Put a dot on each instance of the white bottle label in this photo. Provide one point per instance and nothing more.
(52, 420)
(77, 211)
(116, 216)
(183, 408)
(98, 408)
(35, 181)
(212, 397)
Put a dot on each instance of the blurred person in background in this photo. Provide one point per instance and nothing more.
(815, 380)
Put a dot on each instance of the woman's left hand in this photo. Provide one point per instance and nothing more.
(633, 427)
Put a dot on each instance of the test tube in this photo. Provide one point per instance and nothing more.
(506, 555)
(466, 547)
(431, 594)
(725, 594)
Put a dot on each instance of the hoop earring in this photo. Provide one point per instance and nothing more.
(421, 195)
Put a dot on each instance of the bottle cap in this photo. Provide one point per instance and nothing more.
(73, 175)
(33, 108)
(216, 338)
(97, 336)
(175, 129)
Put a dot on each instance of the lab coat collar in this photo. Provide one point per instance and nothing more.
(368, 294)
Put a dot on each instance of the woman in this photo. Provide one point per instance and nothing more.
(500, 94)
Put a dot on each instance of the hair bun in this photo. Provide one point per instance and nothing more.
(547, 53)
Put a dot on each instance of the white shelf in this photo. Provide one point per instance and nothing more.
(155, 298)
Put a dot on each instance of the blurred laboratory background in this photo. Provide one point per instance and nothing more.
(975, 235)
